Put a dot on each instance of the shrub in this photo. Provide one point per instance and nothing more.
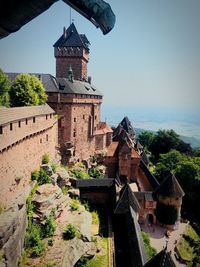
(43, 177)
(33, 236)
(70, 232)
(35, 175)
(50, 242)
(49, 227)
(45, 159)
(79, 174)
(38, 250)
(54, 167)
(75, 204)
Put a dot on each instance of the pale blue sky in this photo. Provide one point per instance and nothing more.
(150, 58)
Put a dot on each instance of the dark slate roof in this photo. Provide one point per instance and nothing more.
(71, 38)
(62, 85)
(120, 135)
(126, 124)
(95, 182)
(163, 258)
(152, 180)
(126, 200)
(147, 196)
(170, 187)
(76, 87)
(135, 241)
(145, 158)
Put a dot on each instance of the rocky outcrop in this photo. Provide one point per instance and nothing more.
(48, 197)
(63, 177)
(12, 233)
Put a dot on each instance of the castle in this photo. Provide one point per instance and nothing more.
(70, 124)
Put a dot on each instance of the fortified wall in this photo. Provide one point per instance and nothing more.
(26, 134)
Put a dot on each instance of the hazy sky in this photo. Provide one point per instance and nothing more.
(150, 58)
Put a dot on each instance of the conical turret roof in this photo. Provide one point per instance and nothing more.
(170, 187)
(163, 258)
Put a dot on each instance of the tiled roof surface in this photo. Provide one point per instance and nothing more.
(103, 128)
(170, 187)
(162, 259)
(134, 154)
(95, 183)
(76, 87)
(112, 149)
(152, 180)
(8, 115)
(72, 38)
(52, 85)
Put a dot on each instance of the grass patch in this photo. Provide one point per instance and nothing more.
(187, 243)
(101, 258)
(75, 204)
(150, 251)
(95, 217)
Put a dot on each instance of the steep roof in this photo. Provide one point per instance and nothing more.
(170, 187)
(62, 85)
(8, 115)
(163, 258)
(126, 201)
(71, 38)
(103, 128)
(126, 124)
(152, 180)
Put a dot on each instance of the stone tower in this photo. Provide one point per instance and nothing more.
(72, 50)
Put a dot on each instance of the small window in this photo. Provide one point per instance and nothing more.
(26, 121)
(1, 130)
(11, 127)
(40, 140)
(19, 124)
(74, 119)
(33, 119)
(74, 134)
(83, 116)
(47, 137)
(50, 116)
(46, 117)
(74, 153)
(95, 117)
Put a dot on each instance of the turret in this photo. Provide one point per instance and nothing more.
(72, 50)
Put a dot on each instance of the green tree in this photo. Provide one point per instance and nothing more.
(145, 138)
(27, 90)
(163, 142)
(4, 89)
(166, 214)
(167, 163)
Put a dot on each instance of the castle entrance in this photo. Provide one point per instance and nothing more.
(150, 219)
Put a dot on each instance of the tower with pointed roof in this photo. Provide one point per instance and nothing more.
(72, 50)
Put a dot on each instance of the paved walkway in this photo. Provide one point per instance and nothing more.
(158, 238)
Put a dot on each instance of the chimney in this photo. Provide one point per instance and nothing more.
(89, 79)
(64, 33)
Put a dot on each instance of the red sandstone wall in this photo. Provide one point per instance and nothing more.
(78, 65)
(17, 162)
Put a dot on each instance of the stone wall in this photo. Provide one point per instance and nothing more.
(79, 116)
(24, 155)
